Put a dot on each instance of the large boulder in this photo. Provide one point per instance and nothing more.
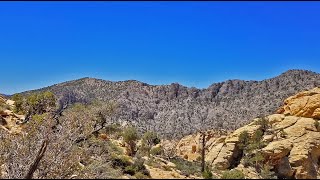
(190, 146)
(304, 104)
(295, 153)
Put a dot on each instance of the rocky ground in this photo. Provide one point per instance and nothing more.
(9, 121)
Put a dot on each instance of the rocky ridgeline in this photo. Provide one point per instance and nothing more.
(292, 141)
(175, 110)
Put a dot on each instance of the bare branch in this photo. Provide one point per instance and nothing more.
(36, 162)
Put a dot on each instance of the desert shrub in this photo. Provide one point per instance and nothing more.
(266, 172)
(65, 157)
(36, 103)
(207, 174)
(257, 136)
(39, 118)
(186, 167)
(19, 101)
(251, 151)
(130, 136)
(254, 159)
(114, 148)
(131, 170)
(149, 139)
(140, 175)
(243, 140)
(264, 123)
(120, 161)
(233, 174)
(156, 151)
(139, 165)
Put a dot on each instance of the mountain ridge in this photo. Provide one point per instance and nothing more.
(177, 110)
(134, 80)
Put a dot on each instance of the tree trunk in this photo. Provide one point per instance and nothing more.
(203, 163)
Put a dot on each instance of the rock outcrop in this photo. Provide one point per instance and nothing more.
(190, 146)
(304, 104)
(291, 138)
(9, 120)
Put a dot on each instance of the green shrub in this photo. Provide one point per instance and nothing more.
(130, 136)
(266, 173)
(243, 140)
(114, 148)
(186, 167)
(36, 103)
(257, 136)
(140, 175)
(131, 170)
(233, 174)
(207, 174)
(149, 140)
(139, 165)
(264, 123)
(156, 151)
(120, 161)
(18, 98)
(38, 118)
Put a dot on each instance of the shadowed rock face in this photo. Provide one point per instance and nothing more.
(175, 110)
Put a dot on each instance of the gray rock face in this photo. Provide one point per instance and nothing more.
(175, 110)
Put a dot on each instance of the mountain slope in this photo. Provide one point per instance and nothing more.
(175, 110)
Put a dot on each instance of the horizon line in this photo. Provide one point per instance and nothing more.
(167, 84)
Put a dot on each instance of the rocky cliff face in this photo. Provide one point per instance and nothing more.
(291, 141)
(174, 110)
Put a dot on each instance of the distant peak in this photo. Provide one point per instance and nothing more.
(298, 71)
(87, 78)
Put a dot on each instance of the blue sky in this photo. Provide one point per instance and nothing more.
(193, 43)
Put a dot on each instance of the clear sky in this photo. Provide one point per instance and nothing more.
(193, 43)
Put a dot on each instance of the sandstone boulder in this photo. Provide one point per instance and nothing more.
(304, 104)
(295, 154)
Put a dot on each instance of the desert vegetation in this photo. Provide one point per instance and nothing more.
(46, 135)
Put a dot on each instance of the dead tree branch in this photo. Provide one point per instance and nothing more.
(37, 160)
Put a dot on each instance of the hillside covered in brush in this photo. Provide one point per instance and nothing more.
(175, 110)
